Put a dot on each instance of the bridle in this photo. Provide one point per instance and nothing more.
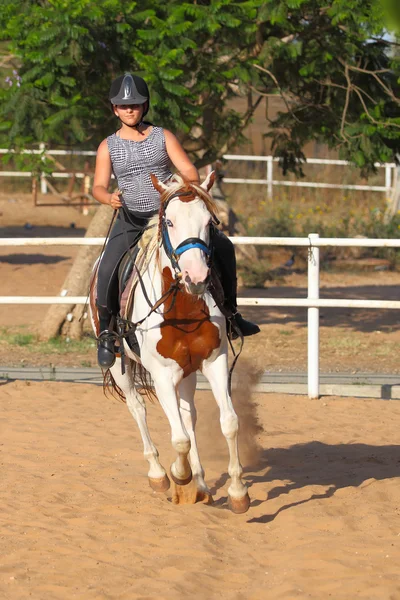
(125, 326)
(188, 244)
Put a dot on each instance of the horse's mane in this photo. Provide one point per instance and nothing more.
(148, 245)
(151, 237)
(179, 184)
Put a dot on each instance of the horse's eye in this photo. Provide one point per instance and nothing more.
(169, 223)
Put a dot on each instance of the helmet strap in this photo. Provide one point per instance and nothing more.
(137, 125)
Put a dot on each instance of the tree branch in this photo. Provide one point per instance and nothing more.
(371, 118)
(375, 76)
(274, 79)
(346, 104)
(6, 59)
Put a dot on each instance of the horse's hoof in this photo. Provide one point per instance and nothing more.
(239, 505)
(161, 484)
(181, 481)
(204, 497)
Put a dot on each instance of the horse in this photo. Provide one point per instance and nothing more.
(179, 330)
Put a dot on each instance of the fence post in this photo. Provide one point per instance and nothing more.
(388, 178)
(43, 182)
(313, 318)
(270, 176)
(394, 200)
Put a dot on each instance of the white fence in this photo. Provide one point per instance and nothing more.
(269, 181)
(313, 302)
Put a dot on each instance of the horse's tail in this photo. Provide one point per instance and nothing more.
(141, 379)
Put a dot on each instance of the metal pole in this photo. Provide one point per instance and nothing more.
(43, 182)
(388, 178)
(270, 167)
(313, 319)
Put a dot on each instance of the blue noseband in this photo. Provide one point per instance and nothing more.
(188, 244)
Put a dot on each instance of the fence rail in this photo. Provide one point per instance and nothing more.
(313, 302)
(269, 181)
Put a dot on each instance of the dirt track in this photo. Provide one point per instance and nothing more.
(80, 521)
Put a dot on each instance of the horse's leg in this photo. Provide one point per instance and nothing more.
(216, 372)
(165, 387)
(188, 411)
(158, 478)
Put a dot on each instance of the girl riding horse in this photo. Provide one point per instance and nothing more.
(179, 330)
(137, 150)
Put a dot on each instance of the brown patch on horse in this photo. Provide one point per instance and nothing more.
(186, 196)
(187, 334)
(185, 188)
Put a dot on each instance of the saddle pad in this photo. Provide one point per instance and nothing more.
(93, 297)
(126, 298)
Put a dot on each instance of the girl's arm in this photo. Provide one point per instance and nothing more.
(102, 178)
(179, 158)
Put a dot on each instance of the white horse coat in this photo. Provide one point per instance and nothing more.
(186, 333)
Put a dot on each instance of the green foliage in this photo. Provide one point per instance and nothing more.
(336, 69)
(331, 61)
(67, 53)
(342, 218)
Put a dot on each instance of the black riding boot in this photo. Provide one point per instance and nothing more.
(225, 261)
(105, 347)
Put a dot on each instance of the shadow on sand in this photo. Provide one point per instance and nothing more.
(32, 259)
(315, 463)
(34, 231)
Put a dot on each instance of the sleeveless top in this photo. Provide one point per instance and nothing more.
(133, 162)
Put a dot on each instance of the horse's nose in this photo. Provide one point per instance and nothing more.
(195, 278)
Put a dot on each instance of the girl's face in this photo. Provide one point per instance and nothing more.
(129, 114)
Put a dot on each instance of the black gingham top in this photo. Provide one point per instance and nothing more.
(133, 162)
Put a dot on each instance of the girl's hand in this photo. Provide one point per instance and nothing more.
(115, 202)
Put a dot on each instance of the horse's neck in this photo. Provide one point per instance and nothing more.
(151, 278)
(156, 280)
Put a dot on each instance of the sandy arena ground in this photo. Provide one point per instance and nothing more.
(79, 520)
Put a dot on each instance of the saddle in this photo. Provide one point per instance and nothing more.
(125, 272)
(127, 280)
(121, 291)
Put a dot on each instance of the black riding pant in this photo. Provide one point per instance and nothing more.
(224, 260)
(127, 231)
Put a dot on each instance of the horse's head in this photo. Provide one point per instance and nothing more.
(186, 215)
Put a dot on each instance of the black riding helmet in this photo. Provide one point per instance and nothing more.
(130, 89)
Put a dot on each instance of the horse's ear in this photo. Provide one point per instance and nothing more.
(209, 181)
(159, 185)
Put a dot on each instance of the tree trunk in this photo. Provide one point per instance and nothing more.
(76, 283)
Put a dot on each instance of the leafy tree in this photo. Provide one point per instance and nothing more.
(331, 61)
(334, 66)
(69, 51)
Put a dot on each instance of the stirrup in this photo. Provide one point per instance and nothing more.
(246, 328)
(105, 349)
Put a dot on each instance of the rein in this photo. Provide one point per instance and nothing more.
(125, 327)
(188, 244)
